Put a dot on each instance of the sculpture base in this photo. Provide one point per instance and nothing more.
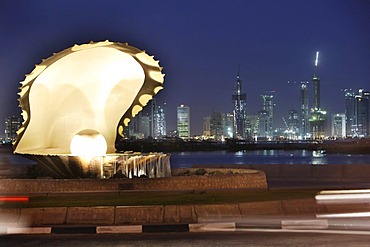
(153, 165)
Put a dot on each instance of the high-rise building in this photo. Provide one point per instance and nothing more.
(318, 121)
(318, 116)
(140, 126)
(239, 100)
(293, 124)
(159, 120)
(263, 124)
(153, 106)
(12, 124)
(217, 124)
(253, 125)
(207, 126)
(363, 113)
(350, 112)
(133, 128)
(338, 125)
(145, 126)
(316, 85)
(183, 121)
(229, 125)
(151, 122)
(268, 107)
(304, 126)
(357, 113)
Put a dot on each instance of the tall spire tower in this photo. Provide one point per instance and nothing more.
(316, 84)
(239, 100)
(318, 116)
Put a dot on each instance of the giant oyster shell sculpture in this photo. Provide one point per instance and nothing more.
(82, 98)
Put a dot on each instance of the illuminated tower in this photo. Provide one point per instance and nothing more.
(338, 125)
(318, 116)
(350, 112)
(316, 85)
(263, 124)
(159, 121)
(268, 107)
(152, 117)
(293, 124)
(183, 121)
(229, 125)
(362, 113)
(239, 100)
(304, 128)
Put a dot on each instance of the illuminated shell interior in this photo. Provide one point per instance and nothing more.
(97, 86)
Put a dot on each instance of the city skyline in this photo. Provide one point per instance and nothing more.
(200, 44)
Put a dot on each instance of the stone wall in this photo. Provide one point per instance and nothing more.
(256, 180)
(167, 214)
(341, 173)
(236, 179)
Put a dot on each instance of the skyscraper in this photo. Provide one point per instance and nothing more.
(316, 85)
(207, 126)
(229, 125)
(12, 124)
(293, 124)
(153, 106)
(304, 126)
(145, 126)
(217, 124)
(183, 121)
(357, 113)
(318, 116)
(263, 124)
(159, 121)
(350, 112)
(338, 125)
(253, 125)
(363, 112)
(134, 127)
(239, 100)
(268, 107)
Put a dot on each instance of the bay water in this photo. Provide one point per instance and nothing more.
(304, 157)
(188, 159)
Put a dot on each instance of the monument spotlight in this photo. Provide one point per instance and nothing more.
(76, 104)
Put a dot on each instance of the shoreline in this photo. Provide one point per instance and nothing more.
(347, 146)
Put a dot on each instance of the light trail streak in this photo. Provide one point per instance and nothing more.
(14, 199)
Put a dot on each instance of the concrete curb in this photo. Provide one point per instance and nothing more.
(198, 227)
(206, 227)
(318, 226)
(172, 218)
(270, 224)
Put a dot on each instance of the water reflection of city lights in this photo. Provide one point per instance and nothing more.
(319, 161)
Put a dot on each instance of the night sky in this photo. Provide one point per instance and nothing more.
(200, 44)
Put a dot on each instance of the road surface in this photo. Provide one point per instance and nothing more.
(240, 238)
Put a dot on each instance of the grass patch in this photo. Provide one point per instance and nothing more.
(160, 198)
